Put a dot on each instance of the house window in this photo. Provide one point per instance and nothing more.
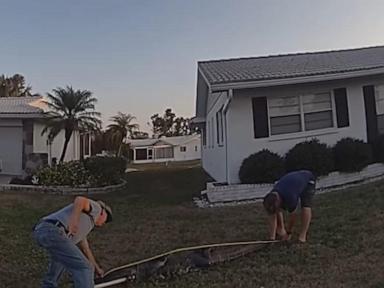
(204, 136)
(317, 111)
(183, 149)
(208, 134)
(284, 115)
(150, 153)
(87, 149)
(379, 99)
(300, 113)
(212, 133)
(141, 154)
(195, 148)
(164, 152)
(219, 127)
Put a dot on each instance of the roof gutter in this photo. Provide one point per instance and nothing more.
(295, 80)
(228, 101)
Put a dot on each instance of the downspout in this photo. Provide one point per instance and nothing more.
(225, 109)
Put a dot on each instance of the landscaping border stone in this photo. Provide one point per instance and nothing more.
(217, 194)
(61, 190)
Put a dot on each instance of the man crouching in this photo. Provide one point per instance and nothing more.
(285, 195)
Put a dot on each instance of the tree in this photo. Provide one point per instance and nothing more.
(139, 135)
(169, 125)
(70, 110)
(14, 86)
(121, 128)
(162, 125)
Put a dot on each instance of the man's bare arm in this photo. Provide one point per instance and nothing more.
(291, 221)
(84, 246)
(272, 225)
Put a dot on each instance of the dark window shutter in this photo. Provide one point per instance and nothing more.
(260, 117)
(370, 112)
(341, 102)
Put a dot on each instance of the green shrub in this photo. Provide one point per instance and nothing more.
(93, 172)
(71, 173)
(261, 167)
(378, 149)
(311, 155)
(105, 170)
(351, 155)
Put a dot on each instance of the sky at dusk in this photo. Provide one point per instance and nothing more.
(140, 57)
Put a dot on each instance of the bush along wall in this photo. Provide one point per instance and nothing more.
(351, 155)
(93, 172)
(378, 149)
(261, 167)
(310, 155)
(348, 155)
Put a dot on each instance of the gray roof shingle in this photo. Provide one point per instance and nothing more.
(19, 105)
(175, 140)
(292, 65)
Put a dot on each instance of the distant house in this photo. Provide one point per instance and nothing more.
(248, 104)
(21, 142)
(179, 148)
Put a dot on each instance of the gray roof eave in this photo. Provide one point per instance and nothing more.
(21, 115)
(295, 80)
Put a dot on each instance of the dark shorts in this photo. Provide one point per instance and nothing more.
(307, 196)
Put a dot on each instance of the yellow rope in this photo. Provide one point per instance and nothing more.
(188, 249)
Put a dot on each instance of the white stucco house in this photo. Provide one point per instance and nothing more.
(164, 149)
(21, 124)
(274, 102)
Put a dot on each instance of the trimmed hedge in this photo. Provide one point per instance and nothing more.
(261, 167)
(351, 155)
(93, 172)
(310, 155)
(105, 170)
(378, 149)
(71, 173)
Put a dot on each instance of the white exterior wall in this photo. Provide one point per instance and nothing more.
(40, 144)
(240, 138)
(213, 155)
(190, 153)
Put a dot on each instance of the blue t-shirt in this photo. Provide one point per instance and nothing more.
(291, 186)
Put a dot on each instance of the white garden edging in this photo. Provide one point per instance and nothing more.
(216, 193)
(61, 190)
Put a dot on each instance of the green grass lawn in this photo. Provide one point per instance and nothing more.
(155, 214)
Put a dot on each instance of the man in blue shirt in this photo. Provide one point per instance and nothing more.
(292, 188)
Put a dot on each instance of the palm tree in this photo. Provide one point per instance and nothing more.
(71, 110)
(121, 128)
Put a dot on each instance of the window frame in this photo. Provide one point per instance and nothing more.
(219, 127)
(302, 113)
(379, 89)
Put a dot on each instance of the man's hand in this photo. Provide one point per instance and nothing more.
(99, 271)
(73, 226)
(286, 236)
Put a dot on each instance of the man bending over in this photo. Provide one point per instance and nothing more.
(292, 188)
